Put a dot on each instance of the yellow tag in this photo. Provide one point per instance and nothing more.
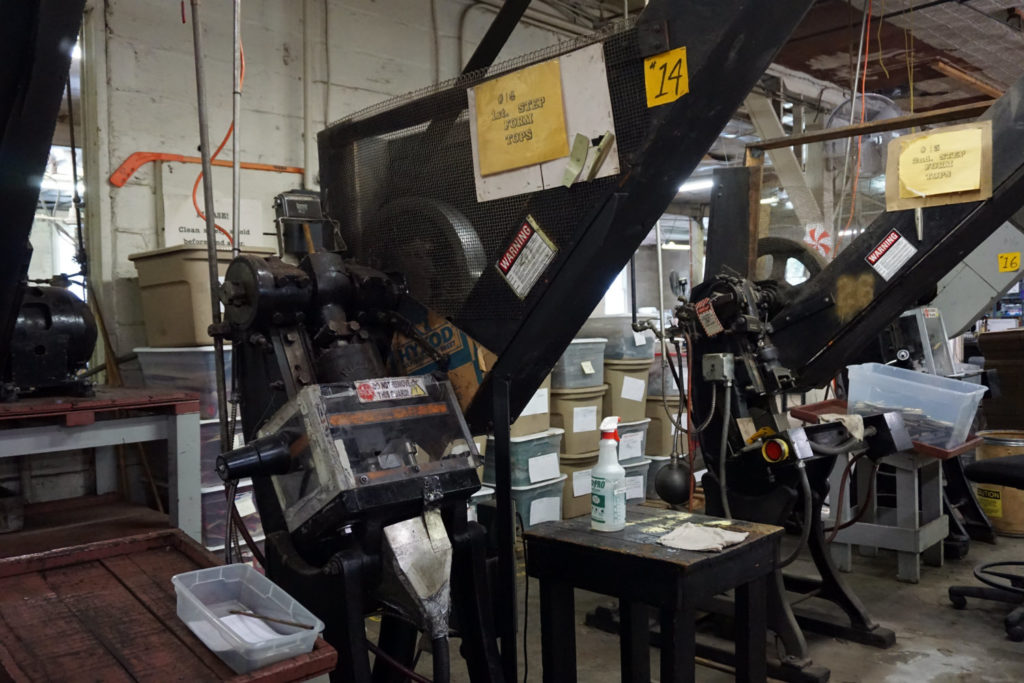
(665, 77)
(1009, 262)
(588, 367)
(991, 502)
(941, 163)
(520, 119)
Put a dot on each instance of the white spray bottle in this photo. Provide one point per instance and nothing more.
(608, 482)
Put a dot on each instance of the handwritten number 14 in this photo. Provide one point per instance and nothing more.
(675, 74)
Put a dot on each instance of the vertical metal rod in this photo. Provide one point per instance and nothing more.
(508, 623)
(211, 235)
(661, 301)
(236, 145)
(309, 148)
(632, 286)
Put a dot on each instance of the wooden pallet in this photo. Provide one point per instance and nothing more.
(107, 611)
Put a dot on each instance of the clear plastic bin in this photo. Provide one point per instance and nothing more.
(633, 440)
(185, 369)
(623, 342)
(206, 598)
(937, 411)
(539, 503)
(582, 365)
(534, 458)
(658, 371)
(636, 479)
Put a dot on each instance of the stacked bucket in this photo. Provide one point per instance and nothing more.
(536, 479)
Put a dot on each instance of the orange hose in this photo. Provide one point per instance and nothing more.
(227, 136)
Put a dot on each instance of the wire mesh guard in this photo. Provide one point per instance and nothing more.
(399, 178)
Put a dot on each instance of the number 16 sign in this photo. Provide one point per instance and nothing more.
(665, 77)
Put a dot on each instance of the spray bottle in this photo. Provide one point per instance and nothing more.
(608, 482)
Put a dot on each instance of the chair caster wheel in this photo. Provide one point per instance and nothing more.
(1016, 634)
(959, 601)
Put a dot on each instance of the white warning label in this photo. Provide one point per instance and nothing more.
(524, 261)
(708, 320)
(891, 254)
(390, 389)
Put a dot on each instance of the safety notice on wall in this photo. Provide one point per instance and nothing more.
(390, 389)
(526, 258)
(520, 119)
(891, 254)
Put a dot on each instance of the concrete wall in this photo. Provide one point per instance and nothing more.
(139, 90)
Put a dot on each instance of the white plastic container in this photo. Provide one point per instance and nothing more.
(539, 503)
(185, 369)
(875, 387)
(206, 598)
(608, 482)
(534, 458)
(582, 365)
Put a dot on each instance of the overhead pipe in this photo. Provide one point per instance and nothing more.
(236, 152)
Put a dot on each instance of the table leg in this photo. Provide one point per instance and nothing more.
(908, 561)
(558, 631)
(931, 507)
(842, 553)
(634, 642)
(678, 644)
(183, 474)
(752, 631)
(106, 471)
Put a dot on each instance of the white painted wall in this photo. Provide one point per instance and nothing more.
(139, 92)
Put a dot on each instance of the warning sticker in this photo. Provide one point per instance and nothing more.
(524, 261)
(891, 254)
(708, 320)
(991, 502)
(390, 389)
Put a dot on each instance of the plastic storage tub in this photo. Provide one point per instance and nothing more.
(206, 598)
(578, 412)
(576, 492)
(627, 389)
(636, 479)
(534, 458)
(633, 440)
(539, 503)
(623, 342)
(658, 371)
(937, 411)
(536, 416)
(582, 365)
(662, 429)
(185, 369)
(174, 284)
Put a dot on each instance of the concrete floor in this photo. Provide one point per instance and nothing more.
(934, 642)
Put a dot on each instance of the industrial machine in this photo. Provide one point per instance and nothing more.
(46, 333)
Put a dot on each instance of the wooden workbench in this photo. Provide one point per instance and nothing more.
(631, 566)
(107, 612)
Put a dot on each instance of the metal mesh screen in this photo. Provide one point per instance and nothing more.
(399, 179)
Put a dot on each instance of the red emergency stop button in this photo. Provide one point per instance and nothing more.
(775, 450)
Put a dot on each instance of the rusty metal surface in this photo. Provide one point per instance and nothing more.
(106, 611)
(644, 526)
(84, 410)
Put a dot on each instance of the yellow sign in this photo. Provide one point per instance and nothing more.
(1009, 262)
(665, 77)
(520, 119)
(991, 502)
(941, 163)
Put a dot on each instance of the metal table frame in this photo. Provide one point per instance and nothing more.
(628, 565)
(180, 431)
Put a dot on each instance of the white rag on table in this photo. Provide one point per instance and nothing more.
(691, 536)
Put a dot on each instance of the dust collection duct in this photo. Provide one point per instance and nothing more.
(403, 178)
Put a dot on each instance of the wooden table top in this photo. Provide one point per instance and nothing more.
(106, 611)
(644, 526)
(82, 410)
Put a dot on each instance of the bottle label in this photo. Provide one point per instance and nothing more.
(606, 506)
